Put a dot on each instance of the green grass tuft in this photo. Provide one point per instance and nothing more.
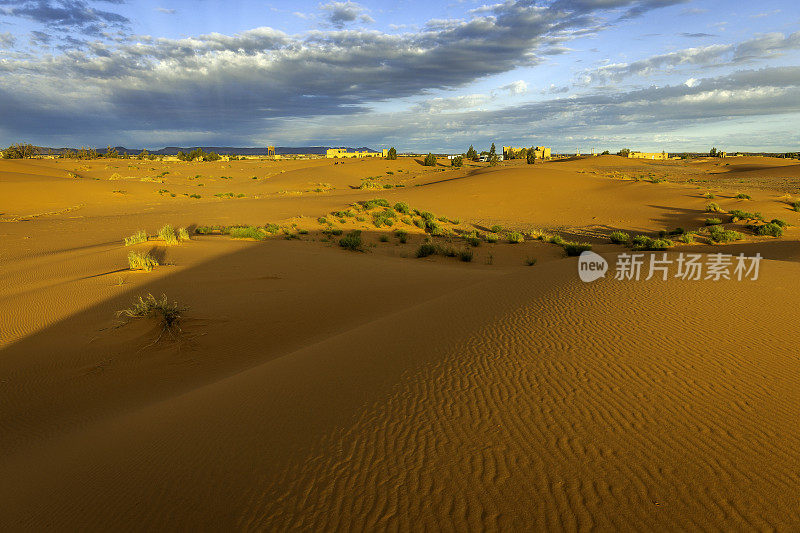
(576, 248)
(136, 238)
(426, 249)
(141, 261)
(713, 208)
(247, 232)
(516, 237)
(719, 234)
(149, 307)
(352, 241)
(713, 221)
(619, 237)
(167, 234)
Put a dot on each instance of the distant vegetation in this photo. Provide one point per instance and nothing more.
(430, 160)
(20, 151)
(141, 261)
(391, 154)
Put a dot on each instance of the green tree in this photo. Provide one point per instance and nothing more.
(625, 152)
(493, 160)
(20, 151)
(713, 152)
(111, 153)
(492, 150)
(531, 156)
(457, 161)
(472, 155)
(605, 152)
(430, 160)
(143, 154)
(391, 154)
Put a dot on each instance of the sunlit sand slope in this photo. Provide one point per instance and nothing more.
(529, 400)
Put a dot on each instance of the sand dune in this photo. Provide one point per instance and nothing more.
(315, 388)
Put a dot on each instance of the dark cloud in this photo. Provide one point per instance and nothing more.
(338, 14)
(75, 15)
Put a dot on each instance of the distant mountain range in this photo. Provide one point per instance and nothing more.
(230, 150)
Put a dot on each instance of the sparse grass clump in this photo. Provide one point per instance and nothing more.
(497, 228)
(426, 249)
(556, 239)
(352, 241)
(465, 255)
(711, 207)
(383, 238)
(492, 238)
(195, 196)
(709, 196)
(183, 234)
(778, 221)
(472, 240)
(713, 222)
(619, 237)
(247, 232)
(141, 261)
(136, 238)
(322, 220)
(167, 234)
(271, 228)
(384, 217)
(168, 312)
(795, 205)
(377, 202)
(738, 214)
(645, 243)
(402, 207)
(516, 237)
(530, 261)
(687, 238)
(769, 230)
(401, 235)
(742, 196)
(576, 248)
(720, 235)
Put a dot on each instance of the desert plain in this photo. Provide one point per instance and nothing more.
(308, 386)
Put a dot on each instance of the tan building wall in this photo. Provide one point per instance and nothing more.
(342, 152)
(540, 151)
(648, 155)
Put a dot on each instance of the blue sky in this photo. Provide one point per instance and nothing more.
(605, 74)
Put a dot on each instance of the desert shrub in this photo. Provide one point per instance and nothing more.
(141, 261)
(465, 255)
(687, 238)
(183, 234)
(149, 307)
(709, 195)
(713, 208)
(302, 231)
(457, 161)
(676, 231)
(497, 228)
(419, 222)
(376, 202)
(719, 234)
(195, 196)
(770, 229)
(427, 215)
(247, 232)
(402, 207)
(431, 226)
(443, 219)
(738, 214)
(401, 235)
(352, 241)
(167, 234)
(492, 238)
(384, 217)
(271, 228)
(795, 205)
(447, 251)
(392, 153)
(473, 240)
(742, 196)
(557, 239)
(383, 238)
(779, 222)
(643, 242)
(619, 237)
(430, 160)
(576, 248)
(332, 231)
(426, 249)
(515, 237)
(322, 220)
(530, 261)
(136, 238)
(406, 220)
(713, 221)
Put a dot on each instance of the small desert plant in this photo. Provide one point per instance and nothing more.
(322, 220)
(557, 239)
(141, 261)
(742, 196)
(136, 238)
(738, 214)
(377, 202)
(465, 255)
(432, 227)
(496, 228)
(401, 235)
(271, 228)
(430, 160)
(687, 238)
(332, 231)
(168, 312)
(619, 237)
(711, 207)
(515, 237)
(530, 261)
(352, 241)
(795, 205)
(183, 234)
(247, 232)
(779, 222)
(384, 217)
(643, 242)
(709, 196)
(770, 230)
(492, 238)
(576, 248)
(719, 234)
(472, 240)
(195, 196)
(426, 249)
(383, 238)
(713, 221)
(402, 207)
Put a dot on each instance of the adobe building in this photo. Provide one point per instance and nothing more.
(648, 155)
(342, 152)
(539, 151)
